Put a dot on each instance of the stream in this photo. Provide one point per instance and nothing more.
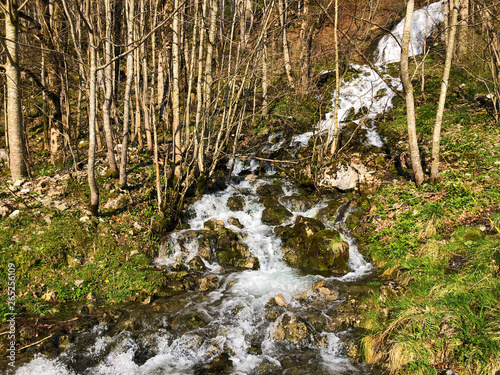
(265, 318)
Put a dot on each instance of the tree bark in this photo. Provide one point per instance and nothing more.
(436, 138)
(15, 128)
(283, 10)
(94, 192)
(130, 8)
(410, 103)
(108, 89)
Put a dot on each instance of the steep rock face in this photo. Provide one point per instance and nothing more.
(309, 246)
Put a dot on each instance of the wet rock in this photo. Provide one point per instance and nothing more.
(299, 203)
(236, 203)
(310, 247)
(251, 263)
(177, 282)
(268, 368)
(209, 282)
(274, 213)
(338, 174)
(213, 224)
(296, 331)
(330, 214)
(219, 364)
(273, 190)
(197, 264)
(185, 323)
(323, 293)
(234, 221)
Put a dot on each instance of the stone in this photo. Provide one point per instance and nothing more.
(50, 296)
(79, 283)
(251, 263)
(209, 282)
(5, 209)
(296, 331)
(273, 190)
(299, 203)
(309, 246)
(280, 300)
(236, 203)
(134, 252)
(234, 221)
(338, 174)
(213, 224)
(197, 264)
(84, 219)
(275, 215)
(116, 203)
(14, 214)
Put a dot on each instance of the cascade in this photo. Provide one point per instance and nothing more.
(229, 321)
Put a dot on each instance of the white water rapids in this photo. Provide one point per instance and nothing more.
(235, 311)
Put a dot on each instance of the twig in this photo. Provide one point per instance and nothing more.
(35, 343)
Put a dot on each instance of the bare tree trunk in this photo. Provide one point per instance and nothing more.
(336, 125)
(130, 9)
(265, 103)
(94, 192)
(436, 138)
(410, 104)
(108, 88)
(176, 128)
(283, 10)
(15, 129)
(463, 29)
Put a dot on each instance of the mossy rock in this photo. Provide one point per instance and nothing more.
(276, 215)
(330, 213)
(310, 247)
(327, 252)
(236, 203)
(274, 190)
(299, 203)
(472, 234)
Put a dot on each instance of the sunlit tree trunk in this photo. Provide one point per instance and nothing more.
(176, 128)
(130, 9)
(410, 104)
(450, 47)
(17, 147)
(94, 192)
(283, 10)
(108, 88)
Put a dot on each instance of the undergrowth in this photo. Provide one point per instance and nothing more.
(440, 243)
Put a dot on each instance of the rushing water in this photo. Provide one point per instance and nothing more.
(233, 315)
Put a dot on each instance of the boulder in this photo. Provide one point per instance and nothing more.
(5, 209)
(234, 221)
(338, 174)
(117, 202)
(309, 246)
(275, 215)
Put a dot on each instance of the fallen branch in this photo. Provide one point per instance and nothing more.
(38, 342)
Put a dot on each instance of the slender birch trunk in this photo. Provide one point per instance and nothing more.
(130, 9)
(410, 103)
(108, 89)
(17, 148)
(94, 192)
(450, 47)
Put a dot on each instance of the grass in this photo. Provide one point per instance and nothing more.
(440, 243)
(104, 259)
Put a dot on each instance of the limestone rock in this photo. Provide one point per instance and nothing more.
(234, 221)
(5, 209)
(338, 174)
(117, 202)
